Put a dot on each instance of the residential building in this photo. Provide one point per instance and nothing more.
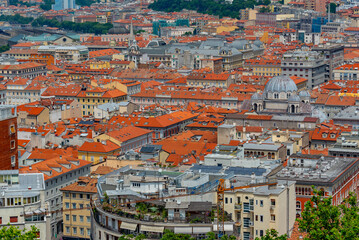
(335, 176)
(315, 5)
(58, 173)
(9, 143)
(264, 67)
(78, 197)
(74, 53)
(209, 79)
(97, 152)
(91, 97)
(22, 202)
(254, 210)
(334, 57)
(346, 72)
(128, 138)
(24, 70)
(64, 4)
(310, 65)
(108, 110)
(32, 116)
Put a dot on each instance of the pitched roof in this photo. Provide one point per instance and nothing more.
(83, 184)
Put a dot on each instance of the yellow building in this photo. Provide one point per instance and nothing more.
(97, 152)
(90, 98)
(254, 210)
(77, 197)
(99, 64)
(264, 67)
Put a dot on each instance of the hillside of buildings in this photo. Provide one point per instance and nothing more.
(162, 120)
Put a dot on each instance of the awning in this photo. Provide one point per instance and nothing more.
(187, 230)
(227, 227)
(37, 211)
(199, 230)
(28, 213)
(145, 228)
(128, 226)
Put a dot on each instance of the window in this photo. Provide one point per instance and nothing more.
(74, 195)
(67, 205)
(67, 229)
(13, 219)
(88, 196)
(67, 217)
(0, 220)
(74, 205)
(74, 218)
(82, 232)
(88, 219)
(272, 217)
(261, 218)
(12, 129)
(261, 203)
(261, 233)
(67, 194)
(12, 144)
(272, 202)
(81, 218)
(74, 230)
(81, 206)
(88, 232)
(81, 195)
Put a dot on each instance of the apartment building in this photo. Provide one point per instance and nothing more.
(334, 57)
(306, 64)
(78, 197)
(209, 80)
(91, 97)
(25, 70)
(254, 210)
(347, 72)
(58, 173)
(8, 131)
(22, 202)
(264, 67)
(335, 176)
(74, 54)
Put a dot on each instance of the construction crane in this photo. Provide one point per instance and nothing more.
(221, 188)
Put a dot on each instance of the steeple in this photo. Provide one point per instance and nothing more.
(132, 36)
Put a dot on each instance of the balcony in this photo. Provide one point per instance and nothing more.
(238, 207)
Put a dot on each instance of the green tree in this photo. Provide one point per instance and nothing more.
(140, 237)
(322, 220)
(210, 236)
(332, 7)
(10, 233)
(4, 48)
(264, 10)
(272, 234)
(169, 235)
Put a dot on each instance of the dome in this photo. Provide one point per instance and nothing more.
(281, 84)
(304, 93)
(257, 96)
(294, 98)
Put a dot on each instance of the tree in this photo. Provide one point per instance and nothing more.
(9, 233)
(322, 220)
(4, 48)
(264, 10)
(210, 236)
(332, 7)
(169, 235)
(272, 234)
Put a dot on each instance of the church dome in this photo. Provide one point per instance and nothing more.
(294, 98)
(304, 93)
(281, 84)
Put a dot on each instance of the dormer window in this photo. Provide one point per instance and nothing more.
(276, 95)
(324, 135)
(332, 135)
